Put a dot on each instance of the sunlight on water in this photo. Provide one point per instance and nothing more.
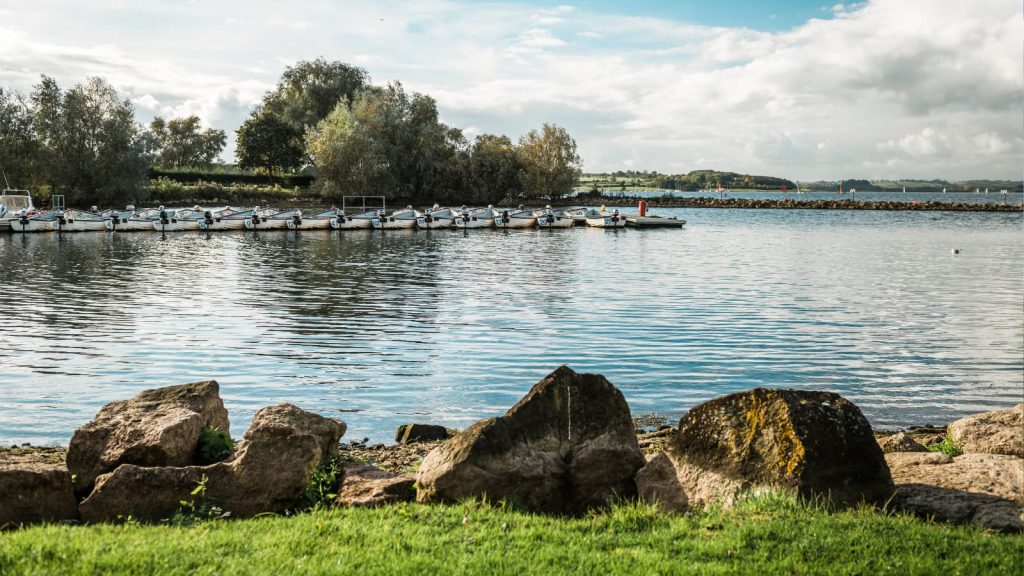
(446, 327)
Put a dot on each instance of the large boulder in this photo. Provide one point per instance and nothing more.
(269, 473)
(158, 427)
(411, 433)
(566, 447)
(657, 483)
(986, 490)
(814, 444)
(368, 486)
(999, 432)
(35, 486)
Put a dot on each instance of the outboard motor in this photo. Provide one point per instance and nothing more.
(164, 218)
(297, 219)
(255, 218)
(427, 217)
(115, 219)
(551, 218)
(504, 217)
(23, 220)
(208, 216)
(60, 218)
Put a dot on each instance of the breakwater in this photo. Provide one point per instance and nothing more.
(816, 204)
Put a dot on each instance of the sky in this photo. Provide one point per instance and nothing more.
(796, 89)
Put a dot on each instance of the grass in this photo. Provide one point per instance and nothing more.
(765, 535)
(948, 446)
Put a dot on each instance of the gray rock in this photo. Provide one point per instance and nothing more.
(900, 442)
(157, 427)
(368, 486)
(999, 432)
(269, 472)
(657, 483)
(566, 447)
(409, 433)
(34, 487)
(986, 490)
(814, 444)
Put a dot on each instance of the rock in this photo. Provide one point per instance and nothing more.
(566, 447)
(269, 472)
(158, 427)
(900, 442)
(369, 486)
(657, 483)
(288, 420)
(986, 490)
(35, 487)
(409, 433)
(999, 432)
(815, 444)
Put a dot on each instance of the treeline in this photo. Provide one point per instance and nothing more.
(360, 138)
(694, 180)
(323, 125)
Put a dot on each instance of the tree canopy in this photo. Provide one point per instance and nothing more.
(181, 142)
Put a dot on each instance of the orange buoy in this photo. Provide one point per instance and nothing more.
(642, 208)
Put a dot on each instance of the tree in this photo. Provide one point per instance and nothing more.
(549, 164)
(18, 147)
(181, 142)
(268, 144)
(306, 94)
(494, 168)
(91, 146)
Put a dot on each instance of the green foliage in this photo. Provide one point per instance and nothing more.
(549, 164)
(169, 192)
(181, 142)
(948, 447)
(763, 535)
(323, 485)
(214, 445)
(197, 508)
(268, 144)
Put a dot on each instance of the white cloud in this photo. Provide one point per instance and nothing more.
(886, 88)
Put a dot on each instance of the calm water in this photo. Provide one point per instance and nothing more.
(379, 329)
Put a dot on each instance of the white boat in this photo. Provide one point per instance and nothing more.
(601, 219)
(78, 221)
(14, 205)
(520, 218)
(275, 221)
(361, 221)
(117, 218)
(182, 219)
(548, 218)
(437, 217)
(142, 220)
(398, 220)
(232, 219)
(39, 222)
(475, 217)
(320, 221)
(578, 213)
(654, 221)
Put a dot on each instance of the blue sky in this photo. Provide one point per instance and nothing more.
(875, 89)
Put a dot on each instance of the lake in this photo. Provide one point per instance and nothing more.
(447, 327)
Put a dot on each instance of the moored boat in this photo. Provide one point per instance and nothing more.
(520, 218)
(141, 220)
(319, 221)
(437, 217)
(14, 206)
(273, 221)
(177, 220)
(601, 219)
(578, 213)
(360, 221)
(548, 218)
(398, 220)
(232, 219)
(654, 221)
(475, 217)
(80, 221)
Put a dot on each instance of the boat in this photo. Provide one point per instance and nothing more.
(361, 221)
(548, 218)
(476, 218)
(141, 220)
(116, 218)
(14, 205)
(398, 220)
(273, 221)
(67, 221)
(320, 221)
(437, 217)
(578, 213)
(177, 220)
(39, 222)
(654, 221)
(520, 218)
(232, 219)
(601, 219)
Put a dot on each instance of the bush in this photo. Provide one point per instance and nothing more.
(948, 447)
(214, 445)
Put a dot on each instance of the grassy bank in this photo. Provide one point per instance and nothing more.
(771, 534)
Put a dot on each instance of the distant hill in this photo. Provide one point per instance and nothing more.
(694, 180)
(917, 185)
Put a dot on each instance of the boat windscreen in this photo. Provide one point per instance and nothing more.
(15, 202)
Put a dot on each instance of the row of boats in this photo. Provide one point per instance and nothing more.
(227, 218)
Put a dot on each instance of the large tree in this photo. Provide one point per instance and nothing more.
(494, 168)
(93, 149)
(18, 146)
(305, 95)
(549, 164)
(182, 142)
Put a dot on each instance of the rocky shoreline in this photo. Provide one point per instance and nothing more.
(568, 447)
(802, 204)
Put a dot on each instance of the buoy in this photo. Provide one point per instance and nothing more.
(956, 250)
(642, 208)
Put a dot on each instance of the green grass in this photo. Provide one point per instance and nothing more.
(767, 535)
(948, 447)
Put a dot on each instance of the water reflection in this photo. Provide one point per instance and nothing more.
(446, 326)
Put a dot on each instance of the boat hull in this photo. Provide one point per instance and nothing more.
(308, 224)
(221, 225)
(34, 226)
(556, 222)
(474, 222)
(654, 222)
(174, 225)
(350, 223)
(130, 225)
(609, 221)
(433, 222)
(395, 223)
(530, 222)
(271, 224)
